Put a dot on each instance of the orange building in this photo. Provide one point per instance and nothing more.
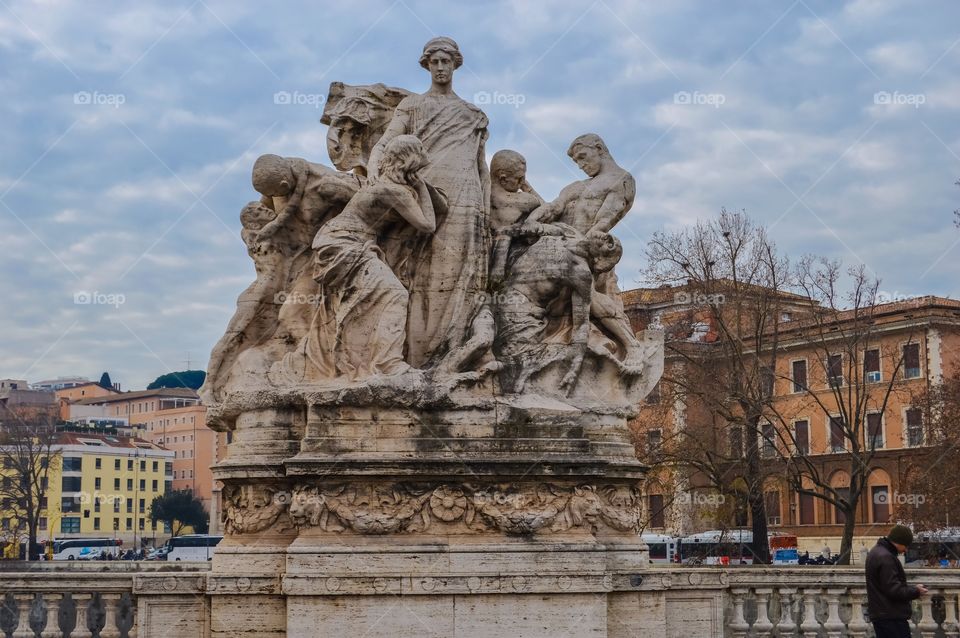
(175, 419)
(74, 393)
(913, 344)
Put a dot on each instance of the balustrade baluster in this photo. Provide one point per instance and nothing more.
(834, 625)
(738, 623)
(858, 625)
(24, 602)
(810, 627)
(81, 628)
(927, 625)
(951, 627)
(52, 628)
(787, 624)
(111, 608)
(763, 626)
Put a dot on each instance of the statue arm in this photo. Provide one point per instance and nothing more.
(417, 211)
(615, 205)
(399, 125)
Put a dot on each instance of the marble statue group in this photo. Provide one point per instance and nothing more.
(413, 265)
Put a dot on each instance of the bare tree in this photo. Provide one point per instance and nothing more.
(27, 456)
(736, 286)
(845, 336)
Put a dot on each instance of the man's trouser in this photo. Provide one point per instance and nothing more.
(892, 628)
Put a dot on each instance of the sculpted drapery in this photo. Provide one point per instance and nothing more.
(448, 270)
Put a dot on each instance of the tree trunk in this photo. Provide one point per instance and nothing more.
(758, 506)
(846, 540)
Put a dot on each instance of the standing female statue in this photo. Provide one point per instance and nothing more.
(449, 269)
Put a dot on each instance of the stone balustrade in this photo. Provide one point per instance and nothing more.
(829, 603)
(739, 602)
(80, 600)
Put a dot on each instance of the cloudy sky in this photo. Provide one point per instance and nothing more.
(129, 129)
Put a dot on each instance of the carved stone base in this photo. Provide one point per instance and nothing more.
(454, 523)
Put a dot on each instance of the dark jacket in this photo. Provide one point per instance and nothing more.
(888, 594)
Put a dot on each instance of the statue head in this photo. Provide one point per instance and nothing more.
(272, 176)
(603, 251)
(441, 56)
(589, 152)
(403, 156)
(509, 169)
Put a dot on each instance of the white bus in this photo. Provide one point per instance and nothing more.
(192, 547)
(84, 548)
(661, 547)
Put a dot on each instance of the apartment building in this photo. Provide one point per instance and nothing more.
(914, 343)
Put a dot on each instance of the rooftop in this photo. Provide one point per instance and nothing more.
(160, 393)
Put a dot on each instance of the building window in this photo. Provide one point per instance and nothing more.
(154, 485)
(875, 430)
(914, 420)
(97, 482)
(116, 505)
(129, 465)
(71, 484)
(806, 509)
(736, 441)
(129, 485)
(837, 435)
(767, 382)
(129, 506)
(96, 504)
(42, 522)
(911, 361)
(156, 466)
(656, 508)
(96, 522)
(871, 365)
(116, 485)
(772, 503)
(654, 442)
(881, 503)
(69, 504)
(129, 523)
(97, 463)
(143, 466)
(141, 523)
(835, 370)
(142, 506)
(801, 437)
(73, 464)
(116, 464)
(769, 447)
(70, 525)
(799, 375)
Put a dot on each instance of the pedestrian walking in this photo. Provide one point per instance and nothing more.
(888, 594)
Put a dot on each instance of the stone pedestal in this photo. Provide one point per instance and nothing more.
(447, 523)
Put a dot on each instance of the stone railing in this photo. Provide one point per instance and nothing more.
(829, 603)
(81, 600)
(670, 602)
